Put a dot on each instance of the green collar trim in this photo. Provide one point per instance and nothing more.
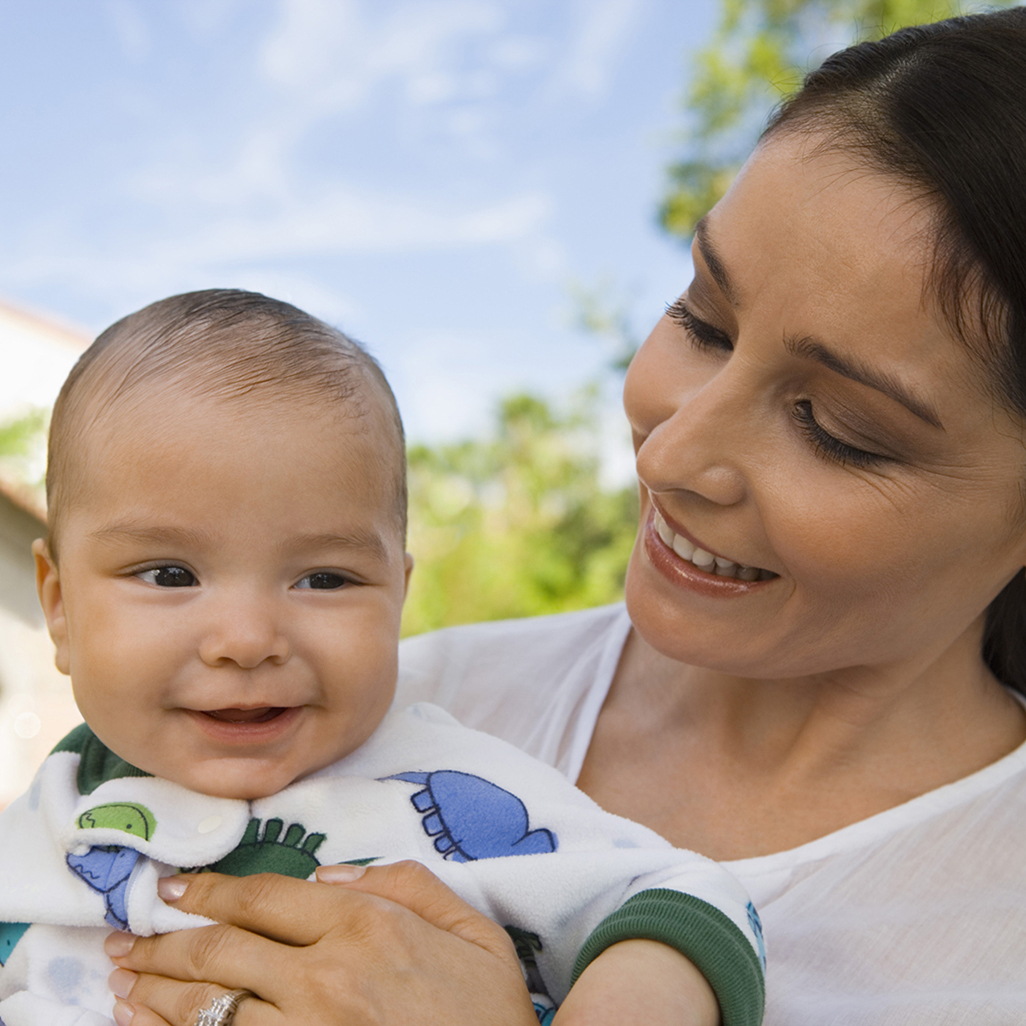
(97, 763)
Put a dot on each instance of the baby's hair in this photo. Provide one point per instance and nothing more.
(222, 344)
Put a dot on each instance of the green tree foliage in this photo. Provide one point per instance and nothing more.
(603, 313)
(758, 56)
(519, 523)
(23, 448)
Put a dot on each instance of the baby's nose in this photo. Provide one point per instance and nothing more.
(244, 632)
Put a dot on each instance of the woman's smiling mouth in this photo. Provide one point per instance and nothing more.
(702, 560)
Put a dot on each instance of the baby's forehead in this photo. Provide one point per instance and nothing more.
(176, 427)
(154, 413)
(222, 357)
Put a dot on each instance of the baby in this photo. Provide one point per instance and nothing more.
(223, 581)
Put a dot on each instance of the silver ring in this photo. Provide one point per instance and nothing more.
(221, 1011)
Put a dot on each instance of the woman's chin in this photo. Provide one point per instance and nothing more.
(694, 630)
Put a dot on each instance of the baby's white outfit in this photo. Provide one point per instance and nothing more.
(83, 850)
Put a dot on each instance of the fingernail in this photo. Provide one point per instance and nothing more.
(340, 874)
(118, 944)
(123, 1013)
(121, 982)
(171, 888)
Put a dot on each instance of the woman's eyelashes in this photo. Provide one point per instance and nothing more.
(168, 576)
(829, 446)
(703, 334)
(706, 336)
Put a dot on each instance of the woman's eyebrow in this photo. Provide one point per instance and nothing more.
(714, 263)
(853, 369)
(811, 348)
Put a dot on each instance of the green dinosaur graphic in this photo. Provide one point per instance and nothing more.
(132, 819)
(269, 852)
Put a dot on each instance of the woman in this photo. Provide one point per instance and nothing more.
(817, 684)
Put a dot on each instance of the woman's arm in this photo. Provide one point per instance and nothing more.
(411, 952)
(393, 946)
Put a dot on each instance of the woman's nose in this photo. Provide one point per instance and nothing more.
(245, 631)
(698, 442)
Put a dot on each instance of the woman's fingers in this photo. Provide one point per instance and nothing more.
(236, 959)
(395, 946)
(153, 1001)
(414, 886)
(294, 912)
(279, 907)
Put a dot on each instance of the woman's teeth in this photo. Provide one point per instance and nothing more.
(706, 560)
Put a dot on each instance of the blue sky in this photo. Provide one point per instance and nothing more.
(432, 176)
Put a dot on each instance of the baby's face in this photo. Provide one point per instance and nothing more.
(229, 589)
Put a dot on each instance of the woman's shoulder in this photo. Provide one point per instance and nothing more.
(530, 681)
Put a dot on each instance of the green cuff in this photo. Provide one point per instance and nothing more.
(700, 932)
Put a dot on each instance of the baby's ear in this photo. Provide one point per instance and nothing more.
(408, 561)
(48, 587)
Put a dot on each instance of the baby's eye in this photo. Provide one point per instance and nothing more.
(168, 577)
(322, 579)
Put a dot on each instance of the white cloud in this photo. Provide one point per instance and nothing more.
(323, 60)
(605, 27)
(130, 29)
(336, 52)
(432, 87)
(446, 384)
(328, 304)
(233, 249)
(344, 220)
(518, 52)
(206, 19)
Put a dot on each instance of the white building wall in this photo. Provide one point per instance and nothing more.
(36, 705)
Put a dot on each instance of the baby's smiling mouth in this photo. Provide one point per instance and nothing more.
(260, 715)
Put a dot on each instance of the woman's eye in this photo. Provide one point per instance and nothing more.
(703, 334)
(829, 446)
(168, 577)
(323, 580)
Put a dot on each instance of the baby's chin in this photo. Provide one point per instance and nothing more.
(243, 779)
(242, 754)
(247, 777)
(247, 754)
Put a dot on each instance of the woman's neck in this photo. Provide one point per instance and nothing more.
(735, 768)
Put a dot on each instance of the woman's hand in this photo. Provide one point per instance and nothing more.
(394, 946)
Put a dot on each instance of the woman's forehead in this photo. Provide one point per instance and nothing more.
(827, 255)
(823, 211)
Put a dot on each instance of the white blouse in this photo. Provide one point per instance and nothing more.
(913, 917)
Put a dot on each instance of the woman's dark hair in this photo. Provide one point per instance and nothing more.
(942, 108)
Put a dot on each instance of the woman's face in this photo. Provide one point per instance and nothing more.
(805, 413)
